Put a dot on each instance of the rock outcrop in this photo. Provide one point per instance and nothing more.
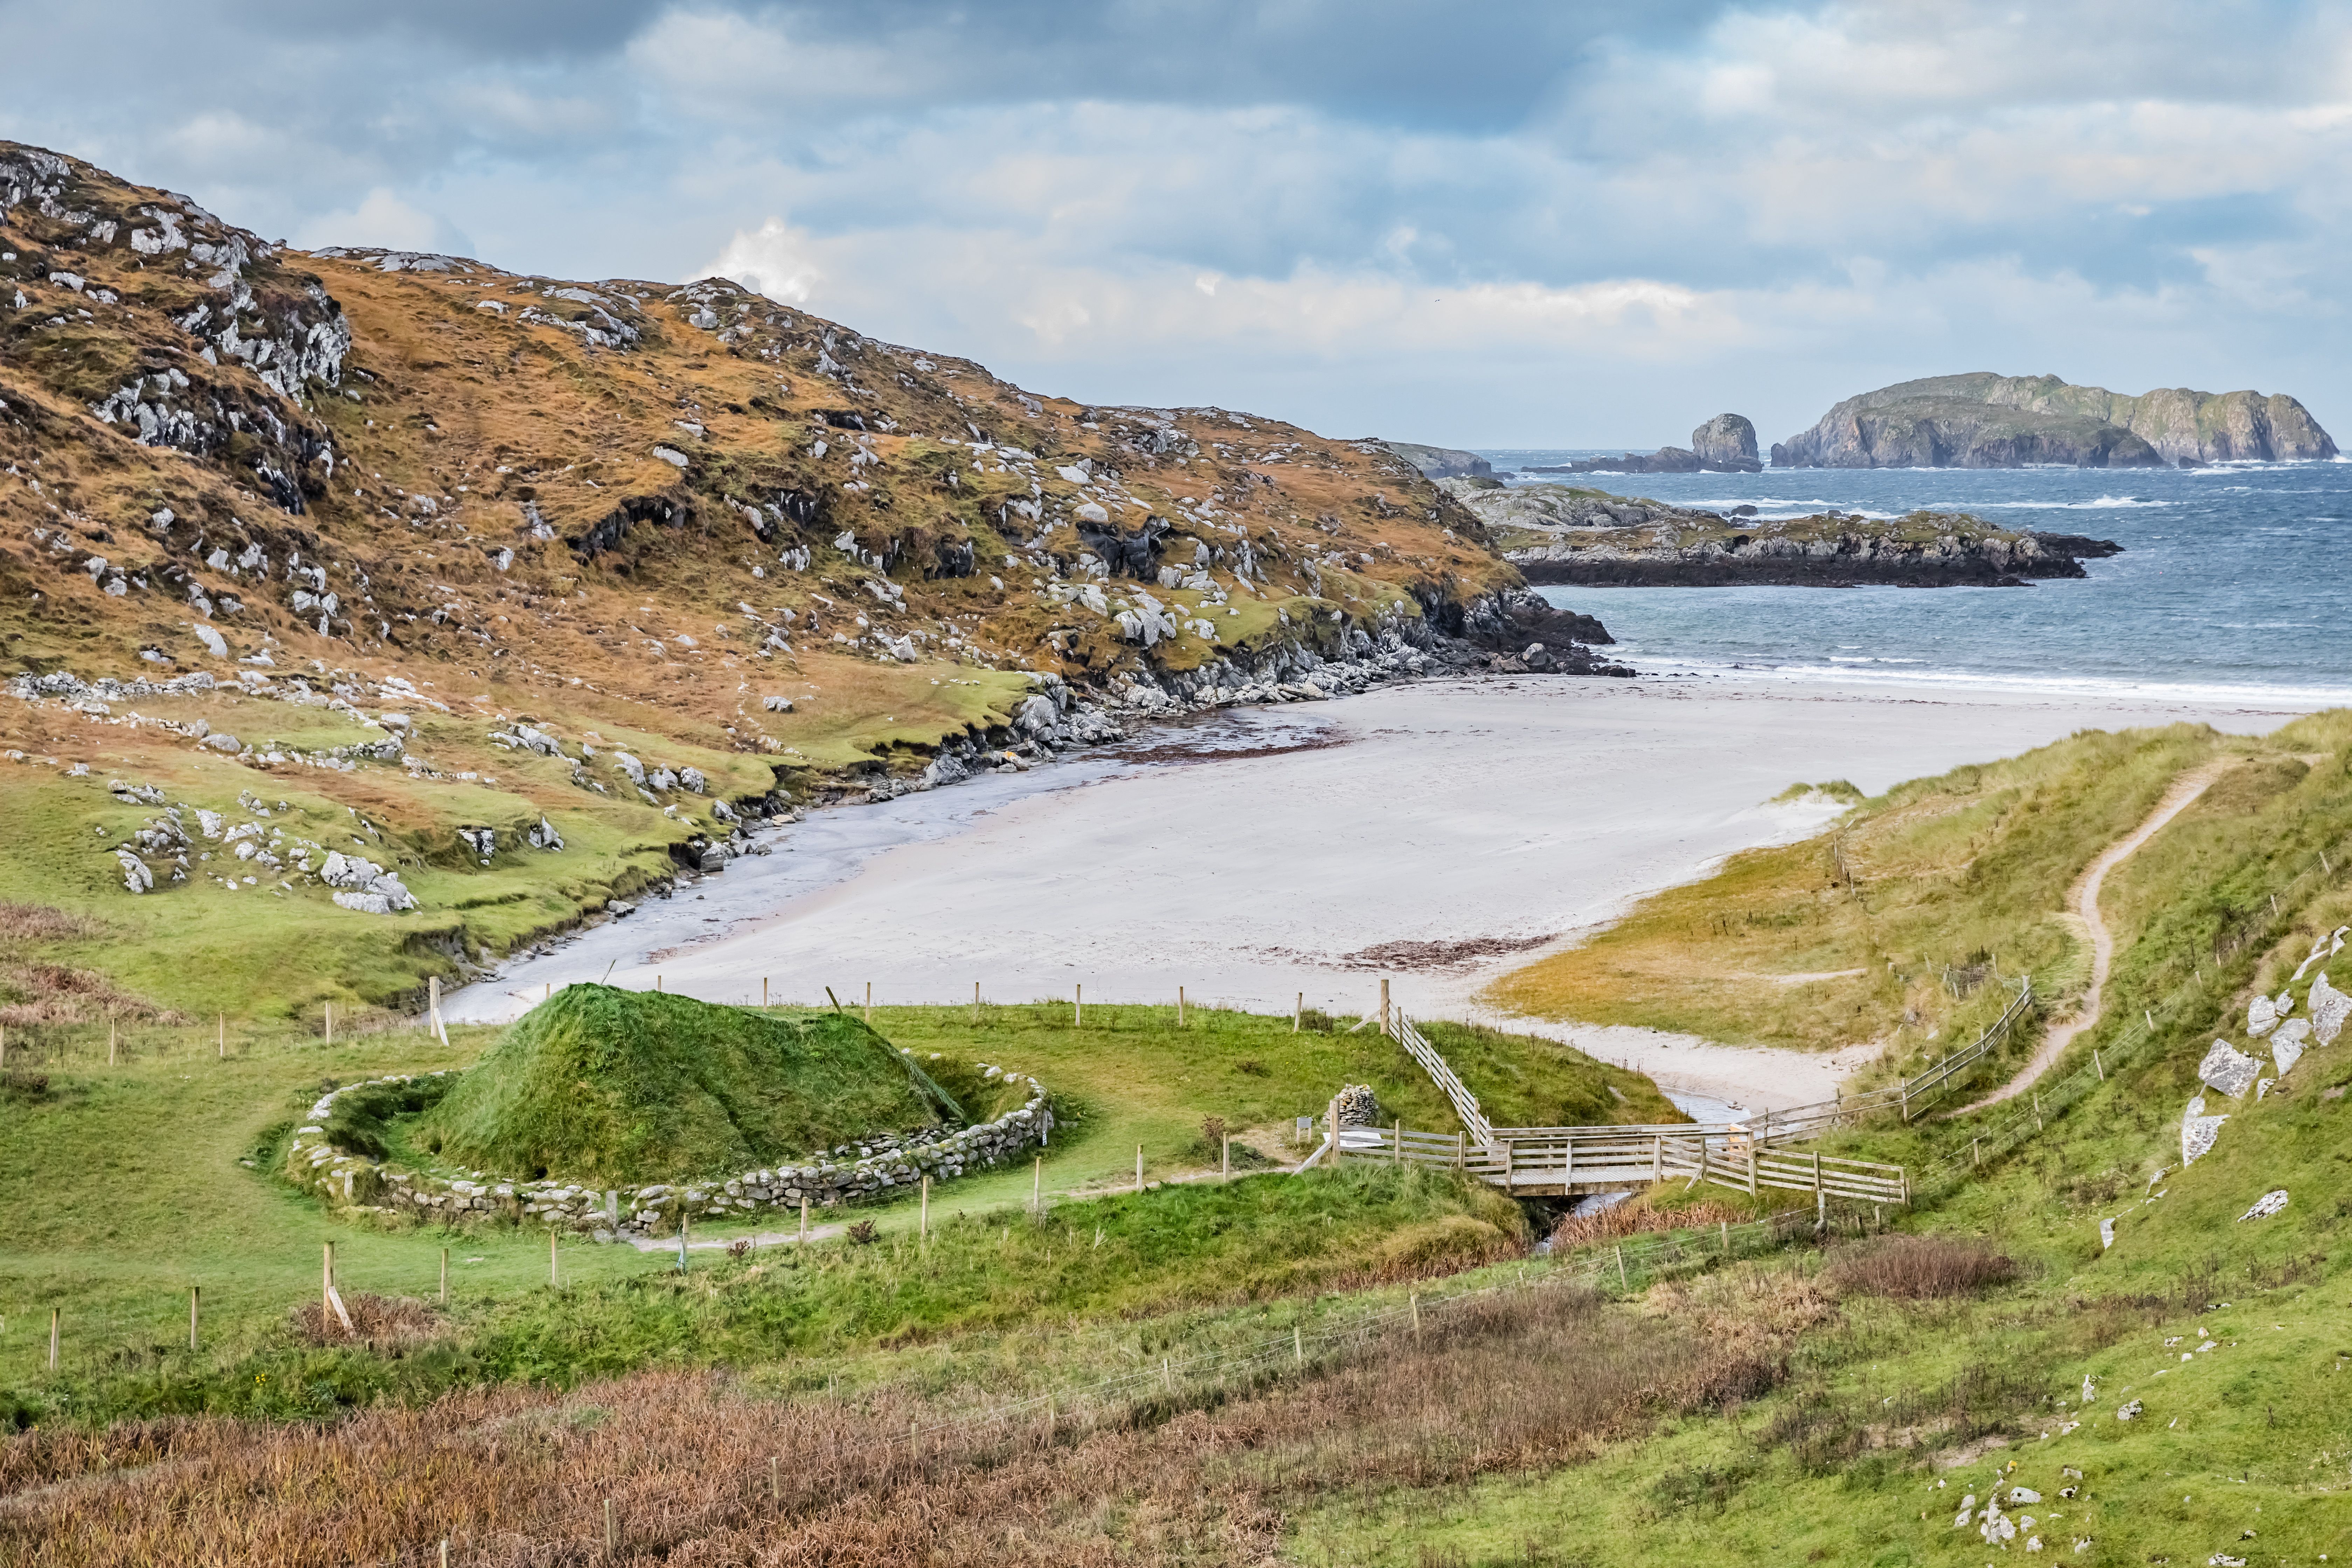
(1727, 444)
(1555, 534)
(1441, 462)
(1981, 420)
(1724, 445)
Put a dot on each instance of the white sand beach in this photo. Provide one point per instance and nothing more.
(1509, 817)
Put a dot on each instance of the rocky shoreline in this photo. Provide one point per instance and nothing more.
(1847, 559)
(1567, 534)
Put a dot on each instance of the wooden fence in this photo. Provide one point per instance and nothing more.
(1441, 1073)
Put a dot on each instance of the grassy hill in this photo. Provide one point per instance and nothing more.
(400, 510)
(607, 1086)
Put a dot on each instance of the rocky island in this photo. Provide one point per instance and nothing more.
(1724, 445)
(1561, 534)
(1981, 420)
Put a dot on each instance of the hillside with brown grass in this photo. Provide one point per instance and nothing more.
(420, 547)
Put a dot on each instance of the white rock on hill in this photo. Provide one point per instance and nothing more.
(2228, 1070)
(365, 887)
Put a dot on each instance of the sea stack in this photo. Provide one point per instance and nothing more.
(1727, 444)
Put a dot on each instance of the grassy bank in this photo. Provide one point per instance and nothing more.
(1890, 925)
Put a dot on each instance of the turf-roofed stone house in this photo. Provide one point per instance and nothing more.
(623, 1114)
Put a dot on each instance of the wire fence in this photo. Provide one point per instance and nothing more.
(2028, 1115)
(1179, 1382)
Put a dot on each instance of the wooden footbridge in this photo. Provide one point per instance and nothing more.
(1750, 1156)
(1571, 1162)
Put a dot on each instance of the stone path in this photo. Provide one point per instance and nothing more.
(2086, 907)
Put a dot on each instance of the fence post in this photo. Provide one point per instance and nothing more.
(1385, 1027)
(195, 1303)
(554, 1273)
(1396, 1156)
(1726, 1236)
(923, 1209)
(1225, 1160)
(1179, 1006)
(444, 1276)
(1510, 1167)
(775, 1481)
(2037, 1110)
(55, 1314)
(1415, 1299)
(1462, 1151)
(1751, 1168)
(432, 1007)
(611, 1533)
(1332, 1121)
(869, 1003)
(1568, 1171)
(1037, 1189)
(110, 1037)
(1620, 1266)
(330, 1023)
(1657, 1156)
(1139, 1170)
(803, 1219)
(1976, 1150)
(2096, 1066)
(220, 1036)
(1297, 1348)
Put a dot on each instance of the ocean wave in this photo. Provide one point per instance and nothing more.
(2104, 503)
(1958, 680)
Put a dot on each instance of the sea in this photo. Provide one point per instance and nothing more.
(2233, 583)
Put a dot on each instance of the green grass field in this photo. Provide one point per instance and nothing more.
(138, 1181)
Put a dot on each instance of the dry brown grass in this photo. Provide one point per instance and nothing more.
(1520, 1381)
(1919, 1268)
(55, 993)
(1638, 1216)
(379, 1323)
(40, 923)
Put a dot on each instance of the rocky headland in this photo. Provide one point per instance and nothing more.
(1724, 445)
(561, 583)
(1981, 420)
(1441, 462)
(1560, 533)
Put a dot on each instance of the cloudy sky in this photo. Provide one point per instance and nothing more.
(1559, 224)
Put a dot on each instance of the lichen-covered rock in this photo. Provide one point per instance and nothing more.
(2228, 1070)
(2269, 1204)
(365, 887)
(2287, 1044)
(2328, 1009)
(2261, 1016)
(2197, 1131)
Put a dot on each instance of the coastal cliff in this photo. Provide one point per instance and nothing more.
(1981, 420)
(1557, 533)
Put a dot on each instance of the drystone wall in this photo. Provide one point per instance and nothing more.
(357, 1184)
